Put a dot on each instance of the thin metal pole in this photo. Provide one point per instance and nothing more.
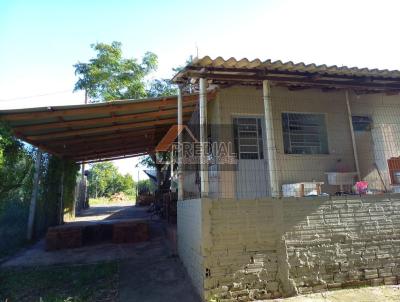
(203, 138)
(180, 149)
(61, 217)
(353, 139)
(32, 206)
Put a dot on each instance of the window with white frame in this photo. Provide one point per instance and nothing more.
(304, 133)
(248, 137)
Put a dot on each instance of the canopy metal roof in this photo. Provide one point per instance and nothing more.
(300, 75)
(102, 131)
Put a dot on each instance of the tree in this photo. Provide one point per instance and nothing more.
(105, 180)
(162, 87)
(15, 166)
(109, 76)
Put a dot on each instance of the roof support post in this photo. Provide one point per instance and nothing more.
(353, 139)
(180, 148)
(203, 137)
(32, 206)
(61, 213)
(270, 141)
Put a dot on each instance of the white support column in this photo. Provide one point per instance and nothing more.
(179, 151)
(32, 206)
(353, 139)
(203, 138)
(270, 143)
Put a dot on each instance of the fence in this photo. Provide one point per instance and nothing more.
(319, 142)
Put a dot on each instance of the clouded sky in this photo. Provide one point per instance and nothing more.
(41, 40)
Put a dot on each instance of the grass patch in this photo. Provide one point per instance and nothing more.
(109, 201)
(78, 283)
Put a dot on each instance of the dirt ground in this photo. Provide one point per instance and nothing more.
(151, 271)
(388, 293)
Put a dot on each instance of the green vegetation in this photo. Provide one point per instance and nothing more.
(92, 282)
(16, 171)
(105, 181)
(109, 76)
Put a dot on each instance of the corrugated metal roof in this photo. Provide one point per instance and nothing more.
(244, 71)
(293, 67)
(99, 131)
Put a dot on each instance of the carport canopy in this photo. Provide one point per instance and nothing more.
(101, 131)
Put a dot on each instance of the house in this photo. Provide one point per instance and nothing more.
(255, 133)
(289, 125)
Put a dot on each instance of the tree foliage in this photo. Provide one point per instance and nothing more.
(15, 166)
(109, 76)
(105, 180)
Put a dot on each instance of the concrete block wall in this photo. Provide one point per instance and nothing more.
(343, 241)
(241, 257)
(190, 237)
(267, 248)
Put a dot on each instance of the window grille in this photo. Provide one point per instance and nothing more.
(248, 138)
(304, 133)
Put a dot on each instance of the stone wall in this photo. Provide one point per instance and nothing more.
(267, 248)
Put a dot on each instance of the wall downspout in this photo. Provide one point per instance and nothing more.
(353, 139)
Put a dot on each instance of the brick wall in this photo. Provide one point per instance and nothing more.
(269, 248)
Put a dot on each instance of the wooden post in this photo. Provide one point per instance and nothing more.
(353, 139)
(32, 206)
(180, 149)
(203, 138)
(61, 214)
(270, 143)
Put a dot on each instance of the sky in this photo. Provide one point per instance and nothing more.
(41, 40)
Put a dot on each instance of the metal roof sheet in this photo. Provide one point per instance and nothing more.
(253, 72)
(102, 130)
(293, 67)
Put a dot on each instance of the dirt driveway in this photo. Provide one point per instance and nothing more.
(151, 271)
(148, 271)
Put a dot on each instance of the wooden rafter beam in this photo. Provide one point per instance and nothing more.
(165, 103)
(293, 80)
(110, 144)
(111, 148)
(101, 137)
(120, 152)
(266, 71)
(106, 129)
(95, 121)
(111, 158)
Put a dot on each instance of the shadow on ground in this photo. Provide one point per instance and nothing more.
(148, 271)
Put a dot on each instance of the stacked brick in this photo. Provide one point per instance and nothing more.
(80, 234)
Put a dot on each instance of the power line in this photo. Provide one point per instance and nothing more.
(34, 96)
